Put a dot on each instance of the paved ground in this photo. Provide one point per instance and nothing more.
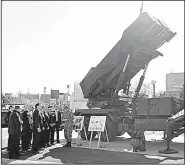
(82, 154)
(150, 136)
(58, 154)
(116, 152)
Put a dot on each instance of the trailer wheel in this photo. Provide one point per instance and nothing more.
(112, 130)
(130, 134)
(120, 133)
(88, 133)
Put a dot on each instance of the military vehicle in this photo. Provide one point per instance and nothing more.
(138, 46)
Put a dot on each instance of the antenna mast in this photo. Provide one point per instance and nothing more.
(141, 9)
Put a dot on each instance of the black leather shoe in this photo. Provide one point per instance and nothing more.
(68, 144)
(10, 157)
(35, 152)
(16, 157)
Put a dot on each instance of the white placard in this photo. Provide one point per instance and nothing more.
(78, 120)
(97, 123)
(53, 101)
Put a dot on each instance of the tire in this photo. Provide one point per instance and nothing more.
(88, 133)
(120, 133)
(112, 130)
(130, 134)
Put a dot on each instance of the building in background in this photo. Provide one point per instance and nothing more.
(5, 99)
(45, 98)
(54, 94)
(77, 100)
(29, 98)
(78, 94)
(64, 100)
(22, 98)
(174, 84)
(53, 102)
(8, 95)
(54, 97)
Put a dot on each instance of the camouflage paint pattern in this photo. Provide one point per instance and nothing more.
(68, 125)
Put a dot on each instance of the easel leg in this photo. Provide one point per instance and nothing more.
(90, 139)
(85, 133)
(77, 138)
(99, 135)
(106, 134)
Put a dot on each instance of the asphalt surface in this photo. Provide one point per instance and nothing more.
(78, 155)
(83, 155)
(150, 136)
(118, 152)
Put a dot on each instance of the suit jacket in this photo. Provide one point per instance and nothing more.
(47, 118)
(44, 123)
(14, 125)
(26, 124)
(52, 120)
(59, 118)
(7, 116)
(36, 119)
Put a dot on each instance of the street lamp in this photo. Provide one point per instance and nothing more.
(67, 102)
(153, 83)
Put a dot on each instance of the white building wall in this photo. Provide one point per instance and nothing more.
(77, 100)
(78, 94)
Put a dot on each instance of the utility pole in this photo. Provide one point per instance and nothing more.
(27, 97)
(20, 94)
(68, 86)
(44, 94)
(153, 83)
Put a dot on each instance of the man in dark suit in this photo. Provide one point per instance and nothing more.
(47, 131)
(7, 120)
(9, 112)
(52, 126)
(36, 129)
(43, 129)
(14, 130)
(25, 131)
(30, 116)
(58, 122)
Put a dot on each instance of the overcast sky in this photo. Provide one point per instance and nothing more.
(53, 44)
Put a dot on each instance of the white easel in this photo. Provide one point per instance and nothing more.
(102, 128)
(80, 129)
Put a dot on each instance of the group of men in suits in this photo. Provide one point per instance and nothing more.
(38, 127)
(45, 122)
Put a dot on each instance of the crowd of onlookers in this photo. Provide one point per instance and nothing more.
(34, 129)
